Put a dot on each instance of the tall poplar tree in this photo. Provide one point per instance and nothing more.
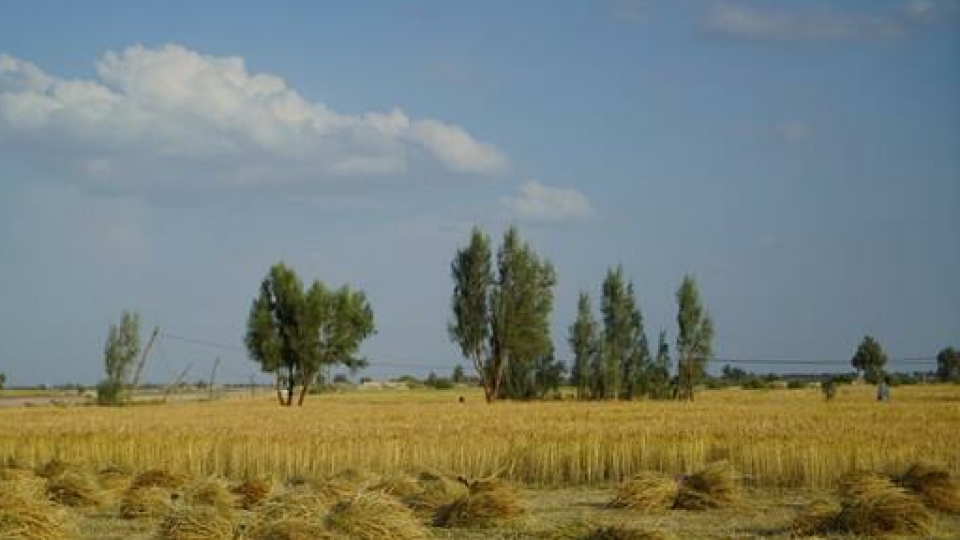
(583, 343)
(694, 338)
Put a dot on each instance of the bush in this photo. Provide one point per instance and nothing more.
(109, 392)
(796, 385)
(829, 389)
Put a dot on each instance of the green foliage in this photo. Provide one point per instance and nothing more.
(694, 339)
(472, 282)
(948, 365)
(796, 385)
(3, 379)
(438, 383)
(659, 376)
(870, 360)
(458, 375)
(583, 342)
(829, 389)
(626, 354)
(502, 322)
(109, 392)
(295, 333)
(120, 352)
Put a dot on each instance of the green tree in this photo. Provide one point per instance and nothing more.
(470, 327)
(294, 333)
(521, 303)
(119, 353)
(502, 322)
(948, 364)
(694, 338)
(3, 379)
(583, 343)
(458, 375)
(870, 359)
(659, 377)
(626, 354)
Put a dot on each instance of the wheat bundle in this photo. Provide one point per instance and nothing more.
(874, 506)
(295, 504)
(147, 502)
(818, 518)
(15, 474)
(195, 523)
(252, 492)
(400, 486)
(435, 490)
(374, 515)
(488, 501)
(113, 479)
(934, 485)
(75, 489)
(54, 467)
(647, 492)
(292, 529)
(23, 517)
(716, 486)
(212, 493)
(625, 533)
(159, 478)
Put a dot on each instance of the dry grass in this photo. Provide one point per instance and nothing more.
(874, 506)
(293, 529)
(934, 485)
(252, 492)
(299, 503)
(715, 486)
(195, 523)
(211, 492)
(75, 489)
(146, 502)
(779, 438)
(820, 517)
(647, 492)
(24, 517)
(435, 490)
(617, 532)
(159, 478)
(374, 515)
(487, 502)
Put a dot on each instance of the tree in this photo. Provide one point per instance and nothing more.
(3, 379)
(295, 334)
(869, 359)
(470, 327)
(502, 322)
(520, 305)
(458, 375)
(948, 365)
(625, 351)
(583, 343)
(659, 377)
(119, 353)
(694, 339)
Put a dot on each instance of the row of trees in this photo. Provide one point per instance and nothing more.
(870, 361)
(501, 322)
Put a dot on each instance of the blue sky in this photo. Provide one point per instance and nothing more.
(801, 159)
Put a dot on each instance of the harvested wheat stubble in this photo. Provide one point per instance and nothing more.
(52, 468)
(24, 517)
(75, 489)
(374, 515)
(820, 517)
(299, 503)
(487, 502)
(934, 485)
(625, 533)
(195, 523)
(292, 529)
(874, 506)
(715, 486)
(159, 478)
(400, 486)
(647, 492)
(147, 502)
(252, 492)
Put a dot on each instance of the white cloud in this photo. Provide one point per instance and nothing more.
(538, 202)
(175, 108)
(772, 24)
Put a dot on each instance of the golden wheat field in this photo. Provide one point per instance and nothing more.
(785, 448)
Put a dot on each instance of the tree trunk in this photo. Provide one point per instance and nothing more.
(291, 386)
(484, 380)
(303, 389)
(276, 386)
(498, 380)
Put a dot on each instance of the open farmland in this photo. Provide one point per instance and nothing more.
(567, 458)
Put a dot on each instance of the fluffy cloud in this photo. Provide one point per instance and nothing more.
(537, 202)
(171, 108)
(740, 21)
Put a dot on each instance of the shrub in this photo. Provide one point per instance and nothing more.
(109, 392)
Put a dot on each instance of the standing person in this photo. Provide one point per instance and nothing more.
(883, 390)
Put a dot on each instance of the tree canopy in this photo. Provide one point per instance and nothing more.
(694, 337)
(870, 359)
(294, 333)
(948, 364)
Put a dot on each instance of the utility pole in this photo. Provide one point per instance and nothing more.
(179, 379)
(213, 374)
